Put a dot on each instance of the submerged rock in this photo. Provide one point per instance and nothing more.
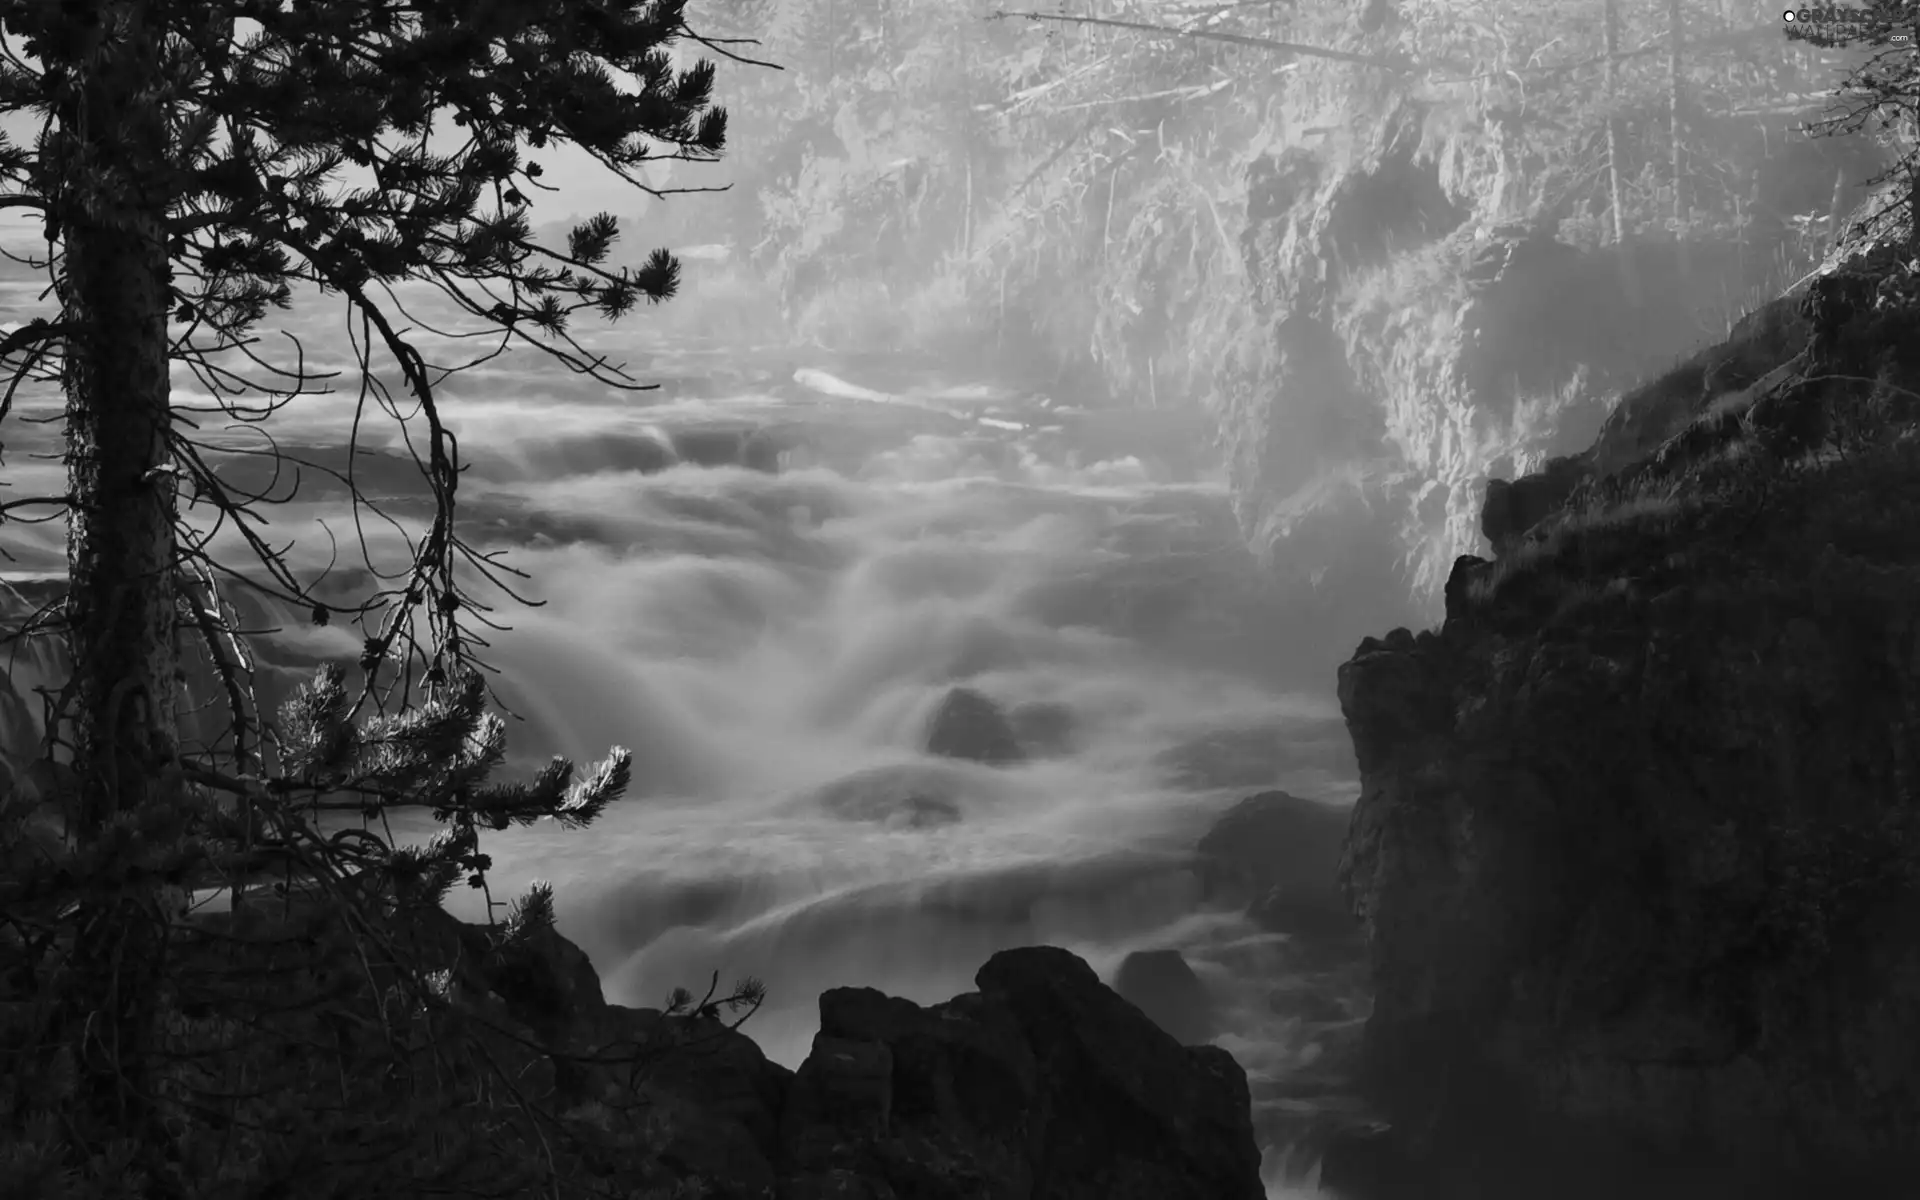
(1638, 849)
(1160, 984)
(969, 725)
(910, 795)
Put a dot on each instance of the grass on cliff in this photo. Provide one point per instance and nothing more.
(1587, 540)
(1849, 480)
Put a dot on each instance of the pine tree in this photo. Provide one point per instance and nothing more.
(193, 166)
(197, 160)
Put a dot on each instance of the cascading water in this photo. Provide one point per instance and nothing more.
(772, 644)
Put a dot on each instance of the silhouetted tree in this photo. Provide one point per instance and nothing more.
(195, 161)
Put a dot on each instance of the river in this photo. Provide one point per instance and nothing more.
(769, 622)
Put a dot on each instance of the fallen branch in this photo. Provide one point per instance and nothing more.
(1209, 35)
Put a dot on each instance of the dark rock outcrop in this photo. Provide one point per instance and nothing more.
(1162, 985)
(1043, 1083)
(1638, 849)
(1513, 508)
(969, 725)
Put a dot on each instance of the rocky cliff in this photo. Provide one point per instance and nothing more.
(1638, 849)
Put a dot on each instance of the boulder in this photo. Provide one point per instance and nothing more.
(1269, 838)
(546, 981)
(1162, 985)
(752, 447)
(1279, 855)
(1042, 1083)
(968, 725)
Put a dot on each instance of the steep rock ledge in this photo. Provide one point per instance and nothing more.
(1638, 849)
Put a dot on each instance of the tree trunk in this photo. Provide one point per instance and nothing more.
(1837, 212)
(120, 543)
(1676, 42)
(1611, 13)
(1913, 157)
(108, 161)
(966, 224)
(1616, 198)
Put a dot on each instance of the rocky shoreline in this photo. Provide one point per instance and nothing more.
(1042, 1082)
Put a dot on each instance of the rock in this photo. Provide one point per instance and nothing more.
(1270, 838)
(728, 446)
(968, 725)
(699, 1150)
(1637, 867)
(1279, 855)
(1459, 589)
(1042, 1083)
(547, 982)
(1513, 508)
(721, 1071)
(1315, 915)
(907, 795)
(1161, 984)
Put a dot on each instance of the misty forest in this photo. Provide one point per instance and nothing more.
(919, 600)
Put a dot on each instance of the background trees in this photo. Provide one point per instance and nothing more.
(1085, 170)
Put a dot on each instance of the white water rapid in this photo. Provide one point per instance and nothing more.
(772, 642)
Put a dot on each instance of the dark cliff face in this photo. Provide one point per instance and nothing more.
(1638, 850)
